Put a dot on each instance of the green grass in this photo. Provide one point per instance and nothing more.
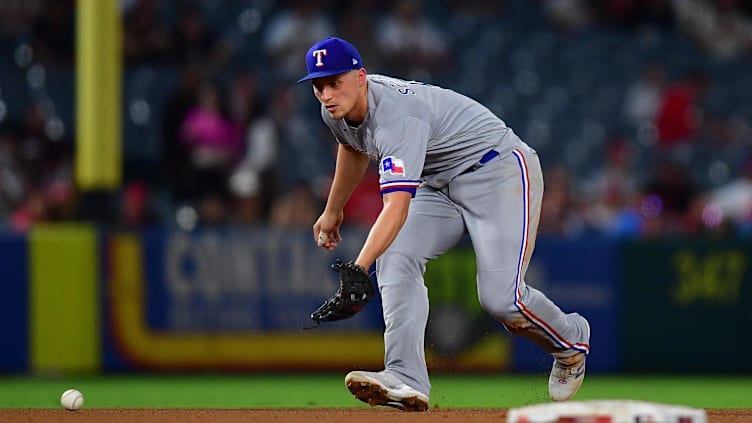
(303, 391)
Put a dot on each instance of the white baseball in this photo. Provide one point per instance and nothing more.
(72, 399)
(323, 237)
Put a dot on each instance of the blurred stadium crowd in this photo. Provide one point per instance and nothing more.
(640, 109)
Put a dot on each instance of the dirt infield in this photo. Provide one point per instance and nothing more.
(374, 415)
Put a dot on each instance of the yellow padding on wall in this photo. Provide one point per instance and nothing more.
(98, 94)
(64, 299)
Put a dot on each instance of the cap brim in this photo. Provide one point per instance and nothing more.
(322, 74)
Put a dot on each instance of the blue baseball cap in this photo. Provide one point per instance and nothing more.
(331, 56)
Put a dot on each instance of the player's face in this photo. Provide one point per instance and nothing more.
(342, 95)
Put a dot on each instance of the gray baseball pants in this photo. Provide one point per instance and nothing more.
(499, 206)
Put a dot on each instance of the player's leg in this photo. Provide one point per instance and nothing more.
(503, 202)
(434, 224)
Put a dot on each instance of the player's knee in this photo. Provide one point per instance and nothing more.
(499, 308)
(506, 313)
(496, 293)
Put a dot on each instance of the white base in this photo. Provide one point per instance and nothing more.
(606, 411)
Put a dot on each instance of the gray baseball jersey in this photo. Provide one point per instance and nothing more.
(421, 132)
(469, 173)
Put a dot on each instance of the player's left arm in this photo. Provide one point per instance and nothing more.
(387, 226)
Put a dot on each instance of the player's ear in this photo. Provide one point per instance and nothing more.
(361, 76)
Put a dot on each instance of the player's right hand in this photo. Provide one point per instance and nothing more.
(326, 240)
(326, 230)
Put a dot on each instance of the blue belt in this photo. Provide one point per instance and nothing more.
(483, 160)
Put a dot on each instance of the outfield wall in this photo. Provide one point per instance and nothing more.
(85, 301)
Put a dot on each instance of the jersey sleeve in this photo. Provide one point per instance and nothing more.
(402, 153)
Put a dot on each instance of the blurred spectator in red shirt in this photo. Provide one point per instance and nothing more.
(136, 207)
(679, 115)
(33, 209)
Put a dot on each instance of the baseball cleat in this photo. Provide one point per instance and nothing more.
(381, 388)
(567, 374)
(565, 378)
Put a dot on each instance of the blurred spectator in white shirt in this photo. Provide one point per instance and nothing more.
(719, 27)
(735, 197)
(644, 95)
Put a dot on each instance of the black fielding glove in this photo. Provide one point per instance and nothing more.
(355, 291)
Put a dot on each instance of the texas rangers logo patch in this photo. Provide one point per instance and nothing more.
(392, 166)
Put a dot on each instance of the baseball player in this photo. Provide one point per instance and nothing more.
(448, 166)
